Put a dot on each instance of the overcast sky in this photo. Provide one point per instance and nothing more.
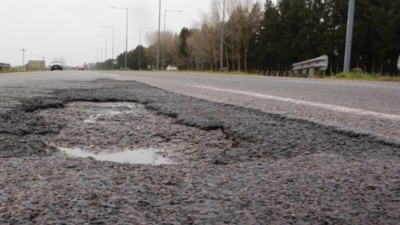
(50, 29)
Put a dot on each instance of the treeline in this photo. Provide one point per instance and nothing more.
(269, 38)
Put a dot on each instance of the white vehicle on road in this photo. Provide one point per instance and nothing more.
(56, 65)
(172, 68)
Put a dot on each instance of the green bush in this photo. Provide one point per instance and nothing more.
(358, 76)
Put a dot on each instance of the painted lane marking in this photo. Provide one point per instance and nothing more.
(309, 103)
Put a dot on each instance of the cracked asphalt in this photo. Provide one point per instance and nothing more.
(235, 165)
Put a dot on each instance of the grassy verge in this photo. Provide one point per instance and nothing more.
(366, 76)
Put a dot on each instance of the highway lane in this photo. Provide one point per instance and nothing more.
(364, 107)
(361, 106)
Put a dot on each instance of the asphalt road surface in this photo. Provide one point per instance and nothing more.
(223, 149)
(366, 107)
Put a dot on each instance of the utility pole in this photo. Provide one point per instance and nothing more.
(158, 42)
(349, 36)
(222, 38)
(23, 58)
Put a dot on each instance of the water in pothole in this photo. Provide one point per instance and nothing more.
(139, 156)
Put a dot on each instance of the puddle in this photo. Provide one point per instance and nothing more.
(139, 156)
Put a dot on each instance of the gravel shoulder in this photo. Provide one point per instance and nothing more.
(234, 165)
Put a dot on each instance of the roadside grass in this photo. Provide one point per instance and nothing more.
(366, 76)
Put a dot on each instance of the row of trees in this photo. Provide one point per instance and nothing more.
(270, 38)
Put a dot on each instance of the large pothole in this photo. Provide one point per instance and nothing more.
(128, 132)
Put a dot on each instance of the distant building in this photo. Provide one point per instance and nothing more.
(36, 65)
(4, 66)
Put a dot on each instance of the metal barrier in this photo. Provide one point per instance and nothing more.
(308, 67)
(4, 66)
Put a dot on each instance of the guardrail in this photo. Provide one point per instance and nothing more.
(4, 66)
(308, 67)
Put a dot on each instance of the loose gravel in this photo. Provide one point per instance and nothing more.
(234, 165)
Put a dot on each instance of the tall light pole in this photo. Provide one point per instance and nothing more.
(110, 27)
(23, 58)
(158, 42)
(349, 36)
(222, 38)
(140, 42)
(165, 24)
(126, 43)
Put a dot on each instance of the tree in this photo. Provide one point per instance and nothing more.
(183, 47)
(266, 52)
(271, 39)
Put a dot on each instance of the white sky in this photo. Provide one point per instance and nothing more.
(51, 29)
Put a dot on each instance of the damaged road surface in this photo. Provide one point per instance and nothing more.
(122, 152)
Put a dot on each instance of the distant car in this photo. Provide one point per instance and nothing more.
(81, 68)
(56, 66)
(172, 68)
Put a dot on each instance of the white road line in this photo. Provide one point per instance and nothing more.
(338, 108)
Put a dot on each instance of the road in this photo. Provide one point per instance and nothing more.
(203, 149)
(364, 107)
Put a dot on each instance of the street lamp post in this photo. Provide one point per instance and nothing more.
(158, 42)
(222, 38)
(349, 36)
(23, 58)
(110, 27)
(140, 43)
(126, 43)
(165, 24)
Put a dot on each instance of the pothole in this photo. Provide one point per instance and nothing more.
(107, 131)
